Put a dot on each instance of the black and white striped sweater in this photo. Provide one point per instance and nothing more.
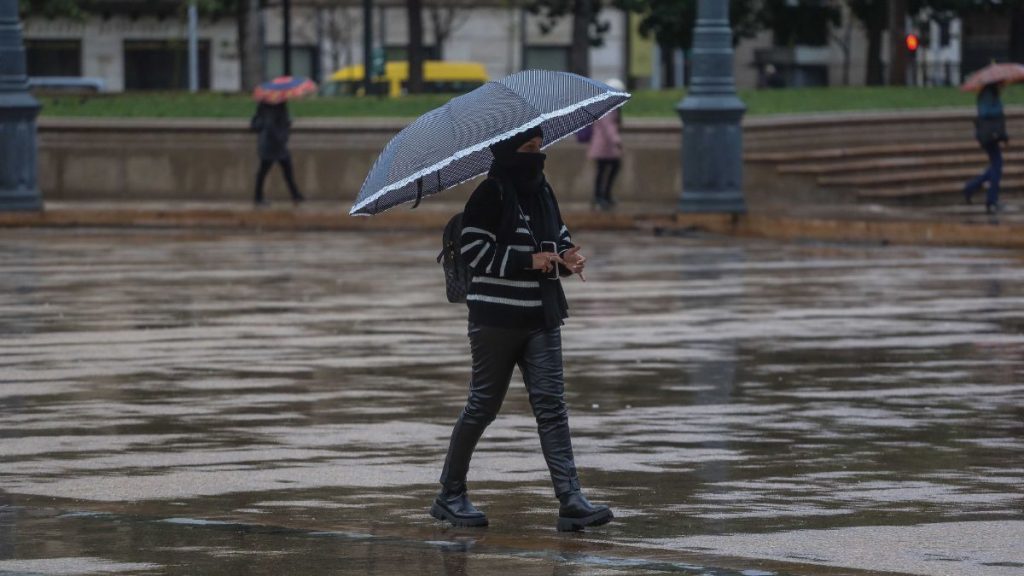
(505, 291)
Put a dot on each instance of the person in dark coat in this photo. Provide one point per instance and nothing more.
(273, 124)
(517, 247)
(990, 131)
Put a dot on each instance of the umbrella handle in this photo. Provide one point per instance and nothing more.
(419, 193)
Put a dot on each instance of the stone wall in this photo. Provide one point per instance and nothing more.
(216, 161)
(210, 160)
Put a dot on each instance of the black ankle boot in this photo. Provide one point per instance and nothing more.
(576, 513)
(456, 508)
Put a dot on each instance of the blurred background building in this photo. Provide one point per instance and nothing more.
(141, 44)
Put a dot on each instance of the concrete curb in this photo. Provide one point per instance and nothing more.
(991, 234)
(281, 219)
(988, 233)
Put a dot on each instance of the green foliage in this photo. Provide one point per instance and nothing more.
(51, 8)
(671, 22)
(804, 22)
(78, 9)
(872, 13)
(551, 11)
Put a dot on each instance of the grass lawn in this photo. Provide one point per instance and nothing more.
(645, 103)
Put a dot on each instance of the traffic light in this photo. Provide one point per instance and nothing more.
(913, 42)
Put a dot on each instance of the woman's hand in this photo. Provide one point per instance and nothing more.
(575, 261)
(546, 261)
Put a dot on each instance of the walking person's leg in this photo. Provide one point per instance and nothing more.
(495, 352)
(995, 157)
(261, 175)
(289, 179)
(541, 366)
(613, 171)
(599, 183)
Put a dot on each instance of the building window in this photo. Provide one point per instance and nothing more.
(546, 58)
(304, 62)
(54, 57)
(162, 65)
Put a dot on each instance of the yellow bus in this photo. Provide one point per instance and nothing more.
(438, 76)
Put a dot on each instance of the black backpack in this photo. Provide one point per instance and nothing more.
(457, 274)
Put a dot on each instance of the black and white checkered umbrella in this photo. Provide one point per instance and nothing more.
(449, 145)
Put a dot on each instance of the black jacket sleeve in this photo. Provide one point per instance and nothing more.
(483, 248)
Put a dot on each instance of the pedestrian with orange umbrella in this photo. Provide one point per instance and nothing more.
(990, 127)
(273, 123)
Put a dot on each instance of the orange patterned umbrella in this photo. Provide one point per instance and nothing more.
(993, 74)
(284, 88)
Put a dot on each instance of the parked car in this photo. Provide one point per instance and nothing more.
(439, 76)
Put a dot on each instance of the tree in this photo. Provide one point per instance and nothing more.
(414, 11)
(897, 30)
(874, 15)
(799, 22)
(587, 28)
(250, 51)
(445, 20)
(51, 8)
(671, 22)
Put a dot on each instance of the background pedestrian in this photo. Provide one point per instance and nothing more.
(990, 131)
(273, 123)
(606, 150)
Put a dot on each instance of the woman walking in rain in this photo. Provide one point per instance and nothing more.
(606, 150)
(273, 123)
(990, 130)
(517, 246)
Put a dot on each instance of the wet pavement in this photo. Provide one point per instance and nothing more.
(239, 403)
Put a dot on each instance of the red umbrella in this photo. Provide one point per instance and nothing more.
(993, 74)
(284, 88)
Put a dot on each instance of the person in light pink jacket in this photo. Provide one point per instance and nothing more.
(606, 149)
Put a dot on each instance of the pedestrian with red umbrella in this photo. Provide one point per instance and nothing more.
(273, 123)
(990, 128)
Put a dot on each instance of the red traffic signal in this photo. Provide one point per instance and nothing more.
(913, 43)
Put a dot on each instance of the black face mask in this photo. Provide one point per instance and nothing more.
(527, 167)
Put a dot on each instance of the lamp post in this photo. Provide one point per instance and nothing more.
(18, 111)
(711, 113)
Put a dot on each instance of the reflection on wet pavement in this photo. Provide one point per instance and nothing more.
(279, 404)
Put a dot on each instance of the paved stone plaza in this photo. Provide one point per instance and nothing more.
(196, 402)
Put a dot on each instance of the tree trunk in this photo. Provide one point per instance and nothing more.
(1016, 48)
(250, 52)
(668, 70)
(897, 51)
(414, 9)
(874, 74)
(579, 53)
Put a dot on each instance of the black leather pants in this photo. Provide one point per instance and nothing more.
(496, 351)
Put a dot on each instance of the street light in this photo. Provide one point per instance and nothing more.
(18, 111)
(711, 112)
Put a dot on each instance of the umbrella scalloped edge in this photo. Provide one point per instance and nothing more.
(487, 143)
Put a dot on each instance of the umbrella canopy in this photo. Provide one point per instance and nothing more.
(993, 74)
(449, 145)
(284, 88)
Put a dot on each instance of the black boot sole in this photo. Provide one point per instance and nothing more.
(444, 515)
(578, 524)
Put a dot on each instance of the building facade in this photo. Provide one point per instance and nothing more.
(141, 50)
(149, 52)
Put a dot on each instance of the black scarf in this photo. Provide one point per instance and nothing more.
(524, 187)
